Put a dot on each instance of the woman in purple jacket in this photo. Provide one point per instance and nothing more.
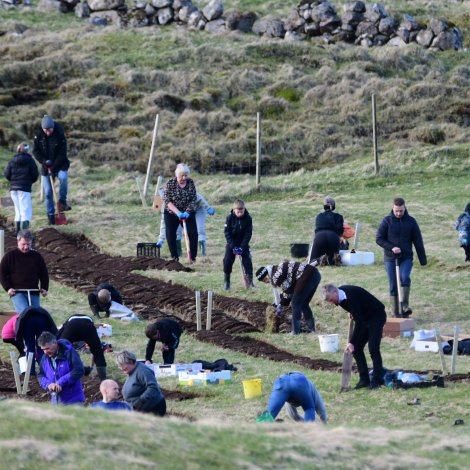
(60, 370)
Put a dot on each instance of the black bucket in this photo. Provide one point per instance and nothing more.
(299, 250)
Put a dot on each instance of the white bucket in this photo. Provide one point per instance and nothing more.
(329, 343)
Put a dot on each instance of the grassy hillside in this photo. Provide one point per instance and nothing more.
(106, 85)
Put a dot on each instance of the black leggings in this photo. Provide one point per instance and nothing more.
(325, 242)
(171, 224)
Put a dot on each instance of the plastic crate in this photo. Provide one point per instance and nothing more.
(148, 249)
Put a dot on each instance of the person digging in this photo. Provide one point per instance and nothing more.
(369, 318)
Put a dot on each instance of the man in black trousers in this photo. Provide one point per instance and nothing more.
(369, 318)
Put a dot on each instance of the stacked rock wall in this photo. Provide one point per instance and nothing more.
(359, 23)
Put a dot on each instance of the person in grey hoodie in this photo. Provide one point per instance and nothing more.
(141, 389)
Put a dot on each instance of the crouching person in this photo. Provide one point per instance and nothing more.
(60, 370)
(110, 391)
(140, 389)
(294, 390)
(168, 332)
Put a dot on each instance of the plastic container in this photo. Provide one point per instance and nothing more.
(329, 343)
(252, 388)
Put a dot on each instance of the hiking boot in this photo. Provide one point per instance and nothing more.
(63, 206)
(51, 219)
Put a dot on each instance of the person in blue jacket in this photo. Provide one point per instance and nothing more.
(60, 370)
(110, 391)
(397, 234)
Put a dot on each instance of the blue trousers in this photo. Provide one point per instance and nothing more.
(294, 388)
(48, 195)
(20, 301)
(406, 265)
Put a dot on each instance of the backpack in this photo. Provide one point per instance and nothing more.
(463, 227)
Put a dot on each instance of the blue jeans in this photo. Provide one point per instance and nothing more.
(20, 301)
(296, 389)
(48, 195)
(406, 265)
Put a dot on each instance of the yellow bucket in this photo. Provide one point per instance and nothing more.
(252, 388)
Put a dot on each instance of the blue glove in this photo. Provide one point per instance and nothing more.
(237, 250)
(185, 215)
(279, 309)
(179, 215)
(159, 244)
(211, 211)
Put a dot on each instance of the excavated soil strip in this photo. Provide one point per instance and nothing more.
(74, 261)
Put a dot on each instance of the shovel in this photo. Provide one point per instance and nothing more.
(356, 238)
(245, 280)
(347, 363)
(60, 218)
(402, 313)
(186, 239)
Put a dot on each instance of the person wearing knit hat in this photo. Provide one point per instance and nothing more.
(298, 282)
(328, 230)
(50, 150)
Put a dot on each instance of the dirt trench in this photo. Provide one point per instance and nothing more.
(75, 261)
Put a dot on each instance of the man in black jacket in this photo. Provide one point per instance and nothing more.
(238, 229)
(369, 318)
(101, 299)
(397, 234)
(50, 150)
(168, 332)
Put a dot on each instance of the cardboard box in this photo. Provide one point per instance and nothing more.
(399, 327)
(427, 346)
(104, 330)
(357, 258)
(172, 370)
(4, 317)
(204, 377)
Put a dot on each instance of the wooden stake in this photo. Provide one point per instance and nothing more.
(455, 349)
(2, 243)
(209, 310)
(438, 338)
(258, 149)
(198, 310)
(142, 198)
(152, 155)
(374, 135)
(27, 373)
(16, 373)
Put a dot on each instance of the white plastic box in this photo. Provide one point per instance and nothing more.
(427, 346)
(172, 370)
(357, 258)
(204, 377)
(104, 330)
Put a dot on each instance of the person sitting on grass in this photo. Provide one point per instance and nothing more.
(167, 331)
(110, 391)
(294, 390)
(141, 389)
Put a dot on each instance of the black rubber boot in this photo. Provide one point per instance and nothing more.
(406, 301)
(202, 247)
(227, 282)
(394, 306)
(296, 326)
(51, 219)
(179, 249)
(18, 227)
(101, 371)
(311, 325)
(25, 225)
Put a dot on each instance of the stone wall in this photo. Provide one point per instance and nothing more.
(358, 23)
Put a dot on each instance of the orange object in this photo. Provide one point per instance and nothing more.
(348, 231)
